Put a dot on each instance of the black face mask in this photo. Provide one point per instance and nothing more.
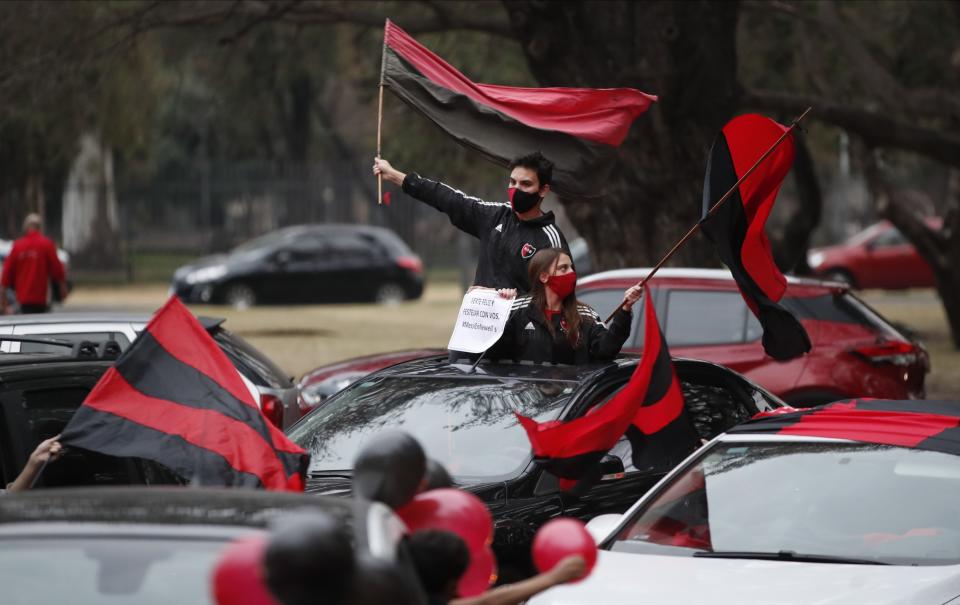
(523, 201)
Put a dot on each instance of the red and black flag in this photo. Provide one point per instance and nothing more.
(736, 228)
(649, 409)
(578, 129)
(174, 397)
(919, 424)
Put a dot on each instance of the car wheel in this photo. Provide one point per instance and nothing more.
(841, 276)
(240, 296)
(390, 294)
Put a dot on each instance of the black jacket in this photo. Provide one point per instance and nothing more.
(506, 243)
(526, 337)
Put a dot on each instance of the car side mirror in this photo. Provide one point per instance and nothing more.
(282, 257)
(611, 468)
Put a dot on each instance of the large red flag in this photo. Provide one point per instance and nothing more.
(578, 129)
(175, 398)
(737, 227)
(649, 409)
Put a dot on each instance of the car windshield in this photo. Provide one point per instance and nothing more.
(93, 571)
(266, 242)
(466, 424)
(839, 500)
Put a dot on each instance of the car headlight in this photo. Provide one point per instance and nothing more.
(206, 274)
(815, 259)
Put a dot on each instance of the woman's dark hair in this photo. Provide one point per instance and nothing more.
(536, 162)
(543, 262)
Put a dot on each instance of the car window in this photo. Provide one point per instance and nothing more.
(602, 301)
(468, 425)
(890, 238)
(95, 337)
(734, 499)
(353, 247)
(91, 570)
(252, 363)
(702, 317)
(842, 308)
(40, 412)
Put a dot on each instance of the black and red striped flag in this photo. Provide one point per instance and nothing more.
(579, 129)
(649, 409)
(174, 397)
(919, 424)
(737, 227)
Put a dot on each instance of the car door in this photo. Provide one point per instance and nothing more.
(892, 262)
(304, 270)
(359, 266)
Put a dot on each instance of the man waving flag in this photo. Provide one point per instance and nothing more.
(649, 409)
(175, 398)
(736, 227)
(579, 129)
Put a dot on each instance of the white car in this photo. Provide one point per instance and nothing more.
(761, 516)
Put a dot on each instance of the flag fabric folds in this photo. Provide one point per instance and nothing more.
(579, 129)
(175, 398)
(737, 227)
(649, 409)
(919, 424)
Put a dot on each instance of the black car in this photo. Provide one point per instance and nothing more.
(306, 264)
(465, 419)
(148, 545)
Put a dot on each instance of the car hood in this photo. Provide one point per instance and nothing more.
(655, 580)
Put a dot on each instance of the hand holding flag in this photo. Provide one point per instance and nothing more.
(175, 398)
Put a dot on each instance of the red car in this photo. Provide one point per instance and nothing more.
(877, 257)
(856, 353)
(319, 384)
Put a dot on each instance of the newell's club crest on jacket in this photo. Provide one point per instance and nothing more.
(527, 251)
(649, 409)
(737, 227)
(174, 397)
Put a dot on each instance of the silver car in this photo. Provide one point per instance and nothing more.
(278, 394)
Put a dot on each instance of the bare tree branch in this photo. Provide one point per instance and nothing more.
(313, 12)
(876, 128)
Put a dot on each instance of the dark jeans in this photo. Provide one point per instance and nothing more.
(34, 308)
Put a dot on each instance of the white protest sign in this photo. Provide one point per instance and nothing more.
(480, 322)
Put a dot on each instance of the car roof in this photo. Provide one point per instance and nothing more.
(687, 273)
(164, 506)
(919, 424)
(93, 317)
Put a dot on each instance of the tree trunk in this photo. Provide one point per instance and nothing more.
(791, 251)
(684, 52)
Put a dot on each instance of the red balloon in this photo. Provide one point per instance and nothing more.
(481, 573)
(238, 575)
(560, 538)
(452, 510)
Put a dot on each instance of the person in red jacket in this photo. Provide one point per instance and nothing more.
(30, 267)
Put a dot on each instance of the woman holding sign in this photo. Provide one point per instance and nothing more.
(550, 326)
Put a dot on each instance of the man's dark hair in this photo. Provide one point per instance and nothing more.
(536, 161)
(440, 557)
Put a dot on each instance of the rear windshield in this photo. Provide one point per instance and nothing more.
(841, 308)
(252, 363)
(94, 571)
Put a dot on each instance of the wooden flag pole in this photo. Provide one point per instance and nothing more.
(379, 122)
(713, 209)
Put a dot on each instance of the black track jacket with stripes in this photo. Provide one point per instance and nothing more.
(506, 243)
(526, 336)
